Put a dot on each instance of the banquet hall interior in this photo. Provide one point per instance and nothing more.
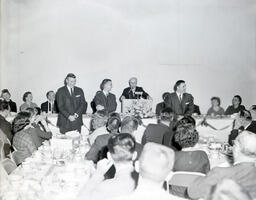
(127, 99)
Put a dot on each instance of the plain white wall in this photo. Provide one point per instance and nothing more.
(209, 43)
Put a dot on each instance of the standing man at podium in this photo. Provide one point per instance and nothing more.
(71, 104)
(179, 101)
(134, 92)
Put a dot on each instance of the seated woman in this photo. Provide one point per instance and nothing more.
(27, 98)
(236, 106)
(215, 110)
(104, 99)
(22, 140)
(189, 159)
(7, 98)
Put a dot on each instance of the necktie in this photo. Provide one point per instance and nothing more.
(72, 91)
(50, 107)
(180, 97)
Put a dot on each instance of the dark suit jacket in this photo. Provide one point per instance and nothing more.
(155, 133)
(191, 161)
(69, 105)
(244, 174)
(160, 107)
(6, 127)
(12, 105)
(231, 110)
(128, 94)
(44, 107)
(185, 107)
(109, 102)
(197, 109)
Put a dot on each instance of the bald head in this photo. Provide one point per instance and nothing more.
(133, 82)
(245, 145)
(156, 162)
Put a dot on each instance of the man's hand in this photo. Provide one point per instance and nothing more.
(122, 98)
(104, 165)
(72, 118)
(100, 107)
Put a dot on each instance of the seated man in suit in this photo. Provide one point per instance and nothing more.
(155, 132)
(5, 126)
(160, 106)
(243, 171)
(134, 92)
(179, 101)
(7, 98)
(50, 106)
(121, 153)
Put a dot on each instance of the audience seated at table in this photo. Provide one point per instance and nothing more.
(215, 109)
(189, 159)
(229, 190)
(243, 121)
(243, 171)
(27, 99)
(121, 153)
(5, 126)
(155, 132)
(101, 141)
(22, 140)
(50, 106)
(98, 125)
(236, 106)
(6, 95)
(155, 163)
(104, 99)
(160, 106)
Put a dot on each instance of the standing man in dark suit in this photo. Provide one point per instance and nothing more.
(71, 105)
(134, 92)
(50, 106)
(179, 101)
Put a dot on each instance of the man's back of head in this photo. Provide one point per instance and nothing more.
(129, 125)
(244, 148)
(156, 162)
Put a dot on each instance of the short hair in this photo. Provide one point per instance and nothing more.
(164, 95)
(166, 114)
(132, 79)
(186, 135)
(246, 141)
(121, 147)
(4, 106)
(99, 118)
(185, 120)
(25, 95)
(177, 84)
(47, 94)
(239, 97)
(103, 83)
(217, 99)
(30, 110)
(113, 124)
(129, 124)
(5, 91)
(245, 114)
(20, 121)
(69, 75)
(253, 107)
(156, 162)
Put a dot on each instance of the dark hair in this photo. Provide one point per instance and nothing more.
(239, 97)
(47, 94)
(166, 114)
(217, 99)
(113, 124)
(165, 95)
(104, 82)
(121, 147)
(69, 75)
(245, 114)
(130, 124)
(5, 91)
(253, 107)
(20, 121)
(4, 106)
(25, 95)
(186, 135)
(177, 84)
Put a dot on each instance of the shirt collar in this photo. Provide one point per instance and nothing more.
(106, 94)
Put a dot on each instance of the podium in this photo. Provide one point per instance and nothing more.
(141, 107)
